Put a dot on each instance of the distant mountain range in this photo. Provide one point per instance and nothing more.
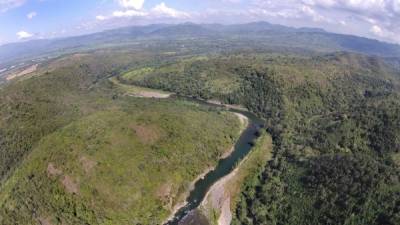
(266, 34)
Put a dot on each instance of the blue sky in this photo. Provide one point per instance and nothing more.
(22, 20)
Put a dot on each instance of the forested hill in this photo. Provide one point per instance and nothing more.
(214, 35)
(334, 119)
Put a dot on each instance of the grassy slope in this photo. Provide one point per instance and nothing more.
(136, 91)
(99, 157)
(129, 165)
(63, 90)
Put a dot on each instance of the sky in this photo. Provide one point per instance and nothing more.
(22, 20)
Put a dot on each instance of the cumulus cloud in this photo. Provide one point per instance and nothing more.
(101, 17)
(362, 17)
(31, 15)
(315, 16)
(352, 5)
(129, 13)
(383, 16)
(162, 10)
(6, 5)
(135, 4)
(376, 30)
(384, 33)
(24, 35)
(159, 11)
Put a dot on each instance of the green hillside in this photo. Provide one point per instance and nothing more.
(335, 125)
(77, 150)
(62, 91)
(126, 165)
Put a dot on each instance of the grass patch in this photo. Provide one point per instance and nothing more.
(137, 91)
(137, 74)
(396, 158)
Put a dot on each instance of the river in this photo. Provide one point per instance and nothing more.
(225, 166)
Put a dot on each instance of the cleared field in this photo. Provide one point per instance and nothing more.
(140, 92)
(24, 72)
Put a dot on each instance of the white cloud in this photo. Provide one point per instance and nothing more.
(24, 35)
(345, 16)
(31, 15)
(232, 1)
(360, 6)
(135, 4)
(162, 10)
(100, 17)
(6, 5)
(384, 33)
(379, 17)
(371, 18)
(129, 13)
(316, 17)
(159, 11)
(376, 30)
(396, 6)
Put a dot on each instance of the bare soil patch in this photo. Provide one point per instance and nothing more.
(44, 221)
(147, 134)
(87, 164)
(70, 185)
(79, 55)
(150, 94)
(244, 121)
(219, 199)
(164, 194)
(52, 171)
